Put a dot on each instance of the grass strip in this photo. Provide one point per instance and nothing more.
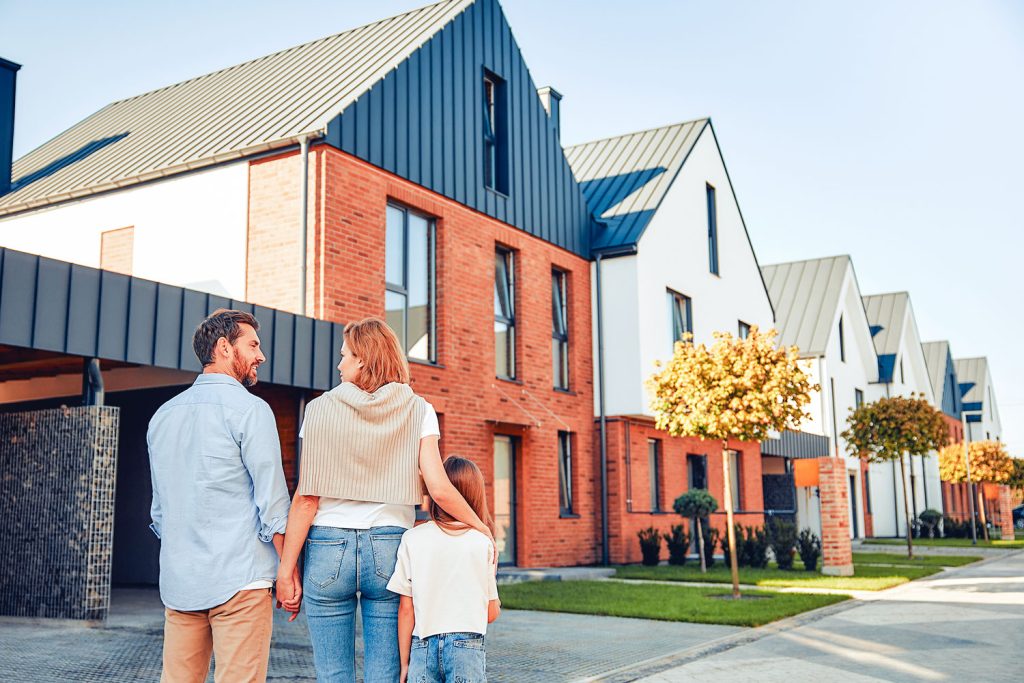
(665, 603)
(916, 561)
(948, 543)
(866, 577)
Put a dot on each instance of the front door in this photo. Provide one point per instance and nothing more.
(505, 498)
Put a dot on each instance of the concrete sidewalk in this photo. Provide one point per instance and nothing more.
(965, 624)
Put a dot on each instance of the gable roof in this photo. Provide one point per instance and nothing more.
(972, 374)
(887, 314)
(263, 104)
(805, 295)
(625, 178)
(938, 359)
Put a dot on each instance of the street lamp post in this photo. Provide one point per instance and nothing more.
(970, 486)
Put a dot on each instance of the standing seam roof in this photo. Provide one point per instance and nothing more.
(973, 371)
(806, 295)
(889, 312)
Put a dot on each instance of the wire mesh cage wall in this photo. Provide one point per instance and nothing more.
(58, 469)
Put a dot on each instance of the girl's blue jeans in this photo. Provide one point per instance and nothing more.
(448, 658)
(339, 564)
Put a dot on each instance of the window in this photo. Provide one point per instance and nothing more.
(495, 134)
(504, 314)
(696, 472)
(867, 492)
(559, 330)
(902, 379)
(565, 472)
(653, 448)
(682, 315)
(734, 480)
(842, 341)
(744, 330)
(712, 231)
(409, 276)
(858, 398)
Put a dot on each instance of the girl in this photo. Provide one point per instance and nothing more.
(365, 445)
(448, 592)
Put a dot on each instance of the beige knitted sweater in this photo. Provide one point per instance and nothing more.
(362, 446)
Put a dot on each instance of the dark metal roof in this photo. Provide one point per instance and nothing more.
(793, 444)
(62, 307)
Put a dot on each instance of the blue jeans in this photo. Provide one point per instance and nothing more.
(340, 563)
(448, 658)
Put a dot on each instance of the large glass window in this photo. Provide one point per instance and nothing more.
(409, 275)
(559, 330)
(565, 472)
(734, 480)
(682, 315)
(744, 330)
(858, 398)
(712, 231)
(495, 134)
(504, 314)
(505, 498)
(653, 466)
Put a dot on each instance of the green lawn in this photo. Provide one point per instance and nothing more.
(917, 561)
(866, 577)
(655, 601)
(948, 542)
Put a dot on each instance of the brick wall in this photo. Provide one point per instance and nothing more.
(346, 282)
(629, 488)
(837, 556)
(117, 249)
(1005, 505)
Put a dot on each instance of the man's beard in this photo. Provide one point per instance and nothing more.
(243, 372)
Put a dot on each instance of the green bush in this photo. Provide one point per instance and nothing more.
(678, 542)
(724, 544)
(711, 537)
(930, 521)
(809, 547)
(697, 504)
(782, 538)
(650, 546)
(754, 550)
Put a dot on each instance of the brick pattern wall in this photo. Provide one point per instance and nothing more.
(1005, 505)
(57, 503)
(629, 488)
(347, 252)
(836, 552)
(117, 250)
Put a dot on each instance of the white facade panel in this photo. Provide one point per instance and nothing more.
(189, 230)
(625, 393)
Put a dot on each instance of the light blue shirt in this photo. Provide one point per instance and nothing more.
(219, 493)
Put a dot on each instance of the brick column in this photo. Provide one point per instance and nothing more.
(1006, 512)
(836, 553)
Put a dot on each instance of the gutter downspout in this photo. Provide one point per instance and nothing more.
(605, 555)
(303, 219)
(92, 383)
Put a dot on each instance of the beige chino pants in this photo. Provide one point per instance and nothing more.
(237, 633)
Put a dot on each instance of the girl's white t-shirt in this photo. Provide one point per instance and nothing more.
(358, 514)
(450, 577)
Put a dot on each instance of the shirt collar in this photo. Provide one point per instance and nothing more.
(217, 378)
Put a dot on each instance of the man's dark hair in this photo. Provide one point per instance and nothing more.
(221, 323)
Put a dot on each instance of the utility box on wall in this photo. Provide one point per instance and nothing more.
(58, 469)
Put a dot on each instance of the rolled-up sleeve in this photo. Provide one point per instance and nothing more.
(261, 455)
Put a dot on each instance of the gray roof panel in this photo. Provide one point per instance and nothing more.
(887, 313)
(806, 295)
(973, 371)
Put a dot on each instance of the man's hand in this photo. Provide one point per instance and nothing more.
(289, 592)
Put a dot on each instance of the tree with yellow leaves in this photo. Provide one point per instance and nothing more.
(892, 428)
(741, 389)
(990, 463)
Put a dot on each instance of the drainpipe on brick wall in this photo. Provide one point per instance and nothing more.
(605, 555)
(92, 383)
(303, 218)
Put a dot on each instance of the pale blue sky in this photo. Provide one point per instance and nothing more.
(890, 131)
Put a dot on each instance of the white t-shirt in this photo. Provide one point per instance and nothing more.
(449, 576)
(358, 514)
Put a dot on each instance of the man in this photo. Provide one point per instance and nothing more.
(220, 507)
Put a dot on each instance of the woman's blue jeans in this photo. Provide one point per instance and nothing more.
(339, 564)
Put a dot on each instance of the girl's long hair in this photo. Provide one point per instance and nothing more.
(373, 342)
(468, 480)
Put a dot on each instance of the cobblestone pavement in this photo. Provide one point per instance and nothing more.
(522, 646)
(965, 624)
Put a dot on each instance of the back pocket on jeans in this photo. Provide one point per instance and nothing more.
(323, 561)
(385, 553)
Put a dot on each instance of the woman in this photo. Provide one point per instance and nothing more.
(365, 445)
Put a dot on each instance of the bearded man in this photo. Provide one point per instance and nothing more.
(220, 507)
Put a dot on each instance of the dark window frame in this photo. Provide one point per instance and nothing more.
(743, 330)
(560, 337)
(565, 475)
(495, 132)
(842, 341)
(858, 398)
(680, 314)
(402, 289)
(507, 316)
(736, 458)
(712, 207)
(654, 472)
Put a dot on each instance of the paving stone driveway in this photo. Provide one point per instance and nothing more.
(522, 647)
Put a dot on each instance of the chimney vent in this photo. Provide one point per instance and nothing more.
(552, 101)
(8, 77)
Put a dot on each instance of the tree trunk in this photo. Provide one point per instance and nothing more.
(980, 487)
(906, 508)
(700, 547)
(730, 532)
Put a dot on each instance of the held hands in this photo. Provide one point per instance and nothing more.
(289, 592)
(403, 675)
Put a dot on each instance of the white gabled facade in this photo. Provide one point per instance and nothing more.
(981, 411)
(189, 230)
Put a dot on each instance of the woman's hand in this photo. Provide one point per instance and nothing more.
(289, 592)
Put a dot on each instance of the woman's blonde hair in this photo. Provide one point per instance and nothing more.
(468, 480)
(374, 343)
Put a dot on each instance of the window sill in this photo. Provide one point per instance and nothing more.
(427, 363)
(510, 380)
(651, 512)
(497, 193)
(568, 515)
(567, 392)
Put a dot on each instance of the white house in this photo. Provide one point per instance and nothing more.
(818, 309)
(902, 371)
(979, 399)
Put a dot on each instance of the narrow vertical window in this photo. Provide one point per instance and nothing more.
(744, 330)
(559, 331)
(653, 448)
(712, 231)
(565, 472)
(858, 398)
(842, 341)
(409, 281)
(734, 480)
(495, 142)
(504, 314)
(902, 379)
(682, 315)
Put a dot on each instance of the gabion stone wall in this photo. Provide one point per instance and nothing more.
(57, 474)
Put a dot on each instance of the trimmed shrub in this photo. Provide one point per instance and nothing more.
(678, 542)
(809, 547)
(650, 546)
(782, 538)
(711, 537)
(754, 551)
(930, 521)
